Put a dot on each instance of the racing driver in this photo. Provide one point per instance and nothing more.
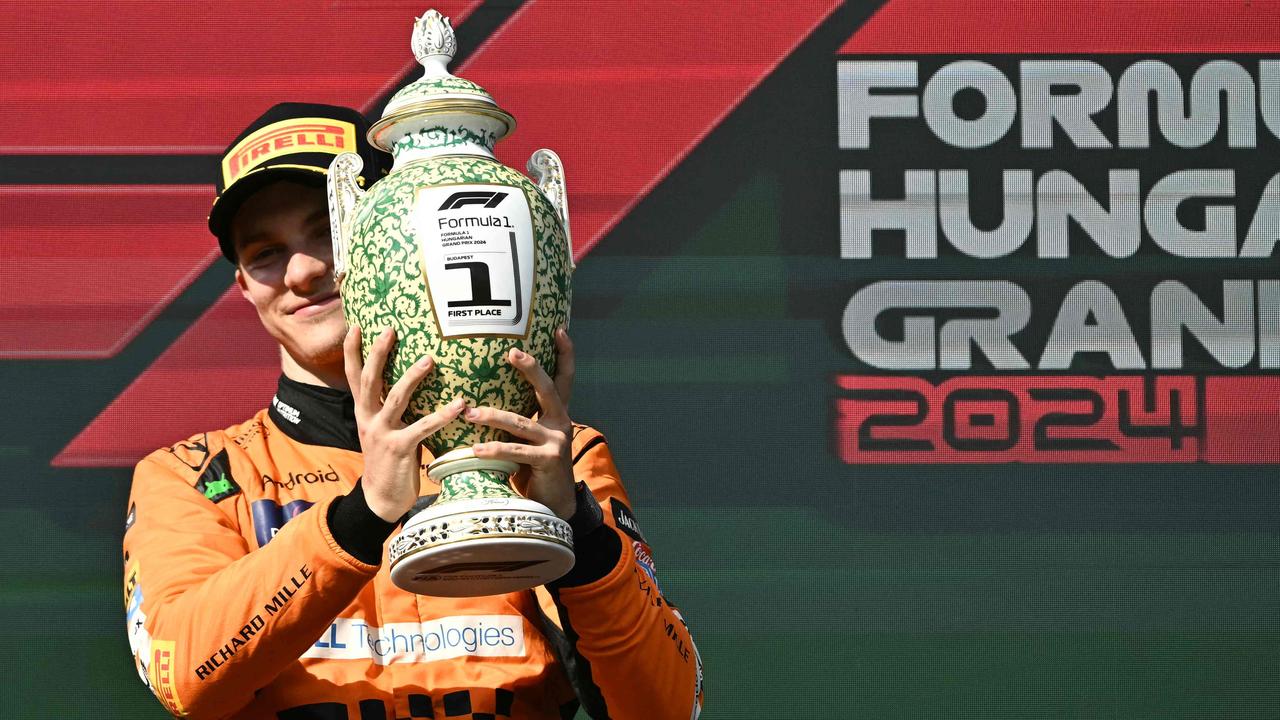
(254, 577)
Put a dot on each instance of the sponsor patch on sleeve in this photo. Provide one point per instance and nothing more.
(136, 625)
(644, 558)
(269, 517)
(215, 482)
(163, 683)
(131, 585)
(626, 520)
(132, 517)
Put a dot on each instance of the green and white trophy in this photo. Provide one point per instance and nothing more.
(465, 258)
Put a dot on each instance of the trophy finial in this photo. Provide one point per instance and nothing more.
(439, 99)
(433, 42)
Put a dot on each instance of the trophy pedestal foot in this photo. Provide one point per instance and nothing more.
(486, 546)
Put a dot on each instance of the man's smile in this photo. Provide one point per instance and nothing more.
(316, 305)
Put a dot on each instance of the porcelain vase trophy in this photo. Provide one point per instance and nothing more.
(465, 258)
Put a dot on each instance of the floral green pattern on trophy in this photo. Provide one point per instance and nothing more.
(439, 86)
(438, 136)
(475, 485)
(385, 286)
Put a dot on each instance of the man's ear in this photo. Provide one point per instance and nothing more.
(240, 283)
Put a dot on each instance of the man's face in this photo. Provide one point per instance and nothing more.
(285, 268)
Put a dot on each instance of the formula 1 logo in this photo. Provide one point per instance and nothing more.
(462, 199)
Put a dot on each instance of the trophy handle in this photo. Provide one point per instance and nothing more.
(547, 171)
(344, 194)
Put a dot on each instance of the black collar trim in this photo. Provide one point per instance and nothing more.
(315, 415)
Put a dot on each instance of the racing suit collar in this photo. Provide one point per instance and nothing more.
(315, 415)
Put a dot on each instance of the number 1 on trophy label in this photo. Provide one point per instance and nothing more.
(476, 243)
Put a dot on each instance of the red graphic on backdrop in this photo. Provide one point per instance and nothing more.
(63, 254)
(621, 108)
(1242, 420)
(145, 79)
(963, 27)
(152, 77)
(212, 379)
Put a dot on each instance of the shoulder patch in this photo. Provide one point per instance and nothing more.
(132, 517)
(626, 520)
(215, 482)
(193, 453)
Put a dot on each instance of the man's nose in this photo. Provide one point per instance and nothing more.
(305, 270)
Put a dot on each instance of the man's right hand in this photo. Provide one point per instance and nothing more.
(392, 450)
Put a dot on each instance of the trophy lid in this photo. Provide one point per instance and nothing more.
(438, 92)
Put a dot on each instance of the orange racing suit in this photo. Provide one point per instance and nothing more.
(254, 589)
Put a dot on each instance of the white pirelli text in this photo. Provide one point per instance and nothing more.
(427, 641)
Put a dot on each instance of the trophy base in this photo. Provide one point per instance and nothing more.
(486, 546)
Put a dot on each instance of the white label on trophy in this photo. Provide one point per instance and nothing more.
(478, 252)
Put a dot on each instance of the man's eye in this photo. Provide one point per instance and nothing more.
(263, 254)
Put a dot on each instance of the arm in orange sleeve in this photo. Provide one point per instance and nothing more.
(633, 654)
(209, 621)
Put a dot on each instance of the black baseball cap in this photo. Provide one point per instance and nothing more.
(291, 141)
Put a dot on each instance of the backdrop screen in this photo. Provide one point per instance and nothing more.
(938, 341)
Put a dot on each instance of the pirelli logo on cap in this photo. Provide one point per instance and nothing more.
(285, 138)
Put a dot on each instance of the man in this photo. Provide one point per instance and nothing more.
(254, 581)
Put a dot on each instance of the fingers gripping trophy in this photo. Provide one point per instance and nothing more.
(464, 258)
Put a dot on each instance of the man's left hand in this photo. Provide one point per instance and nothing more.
(546, 450)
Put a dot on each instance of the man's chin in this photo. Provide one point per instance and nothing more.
(319, 343)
